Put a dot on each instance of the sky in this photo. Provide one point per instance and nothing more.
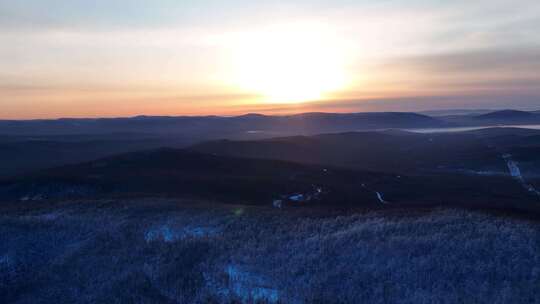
(109, 58)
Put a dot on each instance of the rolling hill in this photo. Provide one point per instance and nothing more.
(502, 117)
(22, 154)
(187, 174)
(510, 117)
(397, 152)
(38, 144)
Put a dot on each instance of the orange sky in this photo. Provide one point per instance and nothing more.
(76, 59)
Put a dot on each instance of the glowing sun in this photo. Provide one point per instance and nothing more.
(288, 64)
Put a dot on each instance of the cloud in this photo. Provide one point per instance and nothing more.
(405, 104)
(473, 71)
(475, 61)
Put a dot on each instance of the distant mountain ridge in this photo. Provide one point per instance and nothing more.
(265, 126)
(221, 126)
(500, 117)
(508, 114)
(447, 112)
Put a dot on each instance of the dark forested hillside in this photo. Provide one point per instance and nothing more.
(182, 173)
(405, 153)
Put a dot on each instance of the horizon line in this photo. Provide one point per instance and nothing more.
(421, 112)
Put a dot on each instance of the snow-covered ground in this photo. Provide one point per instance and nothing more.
(5, 261)
(36, 197)
(380, 198)
(249, 287)
(479, 172)
(513, 167)
(101, 253)
(299, 197)
(168, 233)
(47, 216)
(515, 172)
(378, 194)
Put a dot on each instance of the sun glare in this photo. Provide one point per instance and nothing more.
(289, 64)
